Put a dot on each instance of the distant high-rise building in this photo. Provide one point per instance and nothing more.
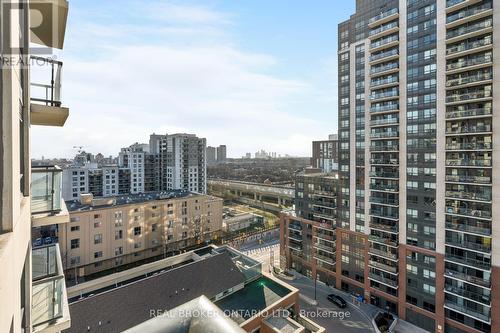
(325, 155)
(183, 163)
(211, 155)
(134, 158)
(221, 153)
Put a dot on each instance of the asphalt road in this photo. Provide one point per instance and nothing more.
(335, 320)
(349, 320)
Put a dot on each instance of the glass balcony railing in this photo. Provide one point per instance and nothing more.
(486, 248)
(467, 277)
(383, 15)
(468, 179)
(46, 189)
(383, 68)
(385, 267)
(462, 63)
(481, 76)
(468, 12)
(469, 195)
(481, 229)
(468, 261)
(382, 135)
(49, 301)
(450, 3)
(475, 296)
(384, 280)
(468, 113)
(469, 162)
(469, 45)
(384, 54)
(382, 253)
(466, 96)
(383, 161)
(480, 213)
(383, 240)
(384, 27)
(469, 129)
(462, 309)
(385, 80)
(385, 227)
(385, 94)
(469, 28)
(384, 174)
(384, 148)
(46, 89)
(385, 41)
(385, 201)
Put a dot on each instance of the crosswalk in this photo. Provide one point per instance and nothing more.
(268, 248)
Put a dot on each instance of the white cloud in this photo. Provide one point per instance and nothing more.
(130, 86)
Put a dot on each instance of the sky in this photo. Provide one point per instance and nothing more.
(248, 74)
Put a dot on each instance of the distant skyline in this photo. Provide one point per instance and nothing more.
(251, 75)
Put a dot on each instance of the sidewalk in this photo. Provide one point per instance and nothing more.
(368, 309)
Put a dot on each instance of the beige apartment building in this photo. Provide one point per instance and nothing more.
(105, 233)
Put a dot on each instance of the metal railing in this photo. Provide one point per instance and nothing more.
(46, 189)
(48, 90)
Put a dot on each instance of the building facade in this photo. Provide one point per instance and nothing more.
(168, 162)
(211, 155)
(221, 153)
(325, 155)
(104, 233)
(28, 289)
(416, 152)
(183, 163)
(308, 235)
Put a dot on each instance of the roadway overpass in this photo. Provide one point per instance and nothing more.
(274, 194)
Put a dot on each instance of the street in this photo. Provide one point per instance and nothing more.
(349, 320)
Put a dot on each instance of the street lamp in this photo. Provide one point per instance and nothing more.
(315, 282)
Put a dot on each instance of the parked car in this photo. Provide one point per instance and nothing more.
(337, 300)
(47, 240)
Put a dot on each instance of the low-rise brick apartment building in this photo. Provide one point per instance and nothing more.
(308, 234)
(106, 233)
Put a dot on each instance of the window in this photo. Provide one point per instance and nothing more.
(154, 227)
(75, 228)
(431, 68)
(118, 251)
(137, 231)
(97, 224)
(412, 213)
(97, 254)
(75, 260)
(412, 269)
(98, 239)
(429, 289)
(137, 245)
(75, 243)
(429, 274)
(118, 234)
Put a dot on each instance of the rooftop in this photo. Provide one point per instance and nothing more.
(106, 202)
(183, 319)
(129, 305)
(255, 297)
